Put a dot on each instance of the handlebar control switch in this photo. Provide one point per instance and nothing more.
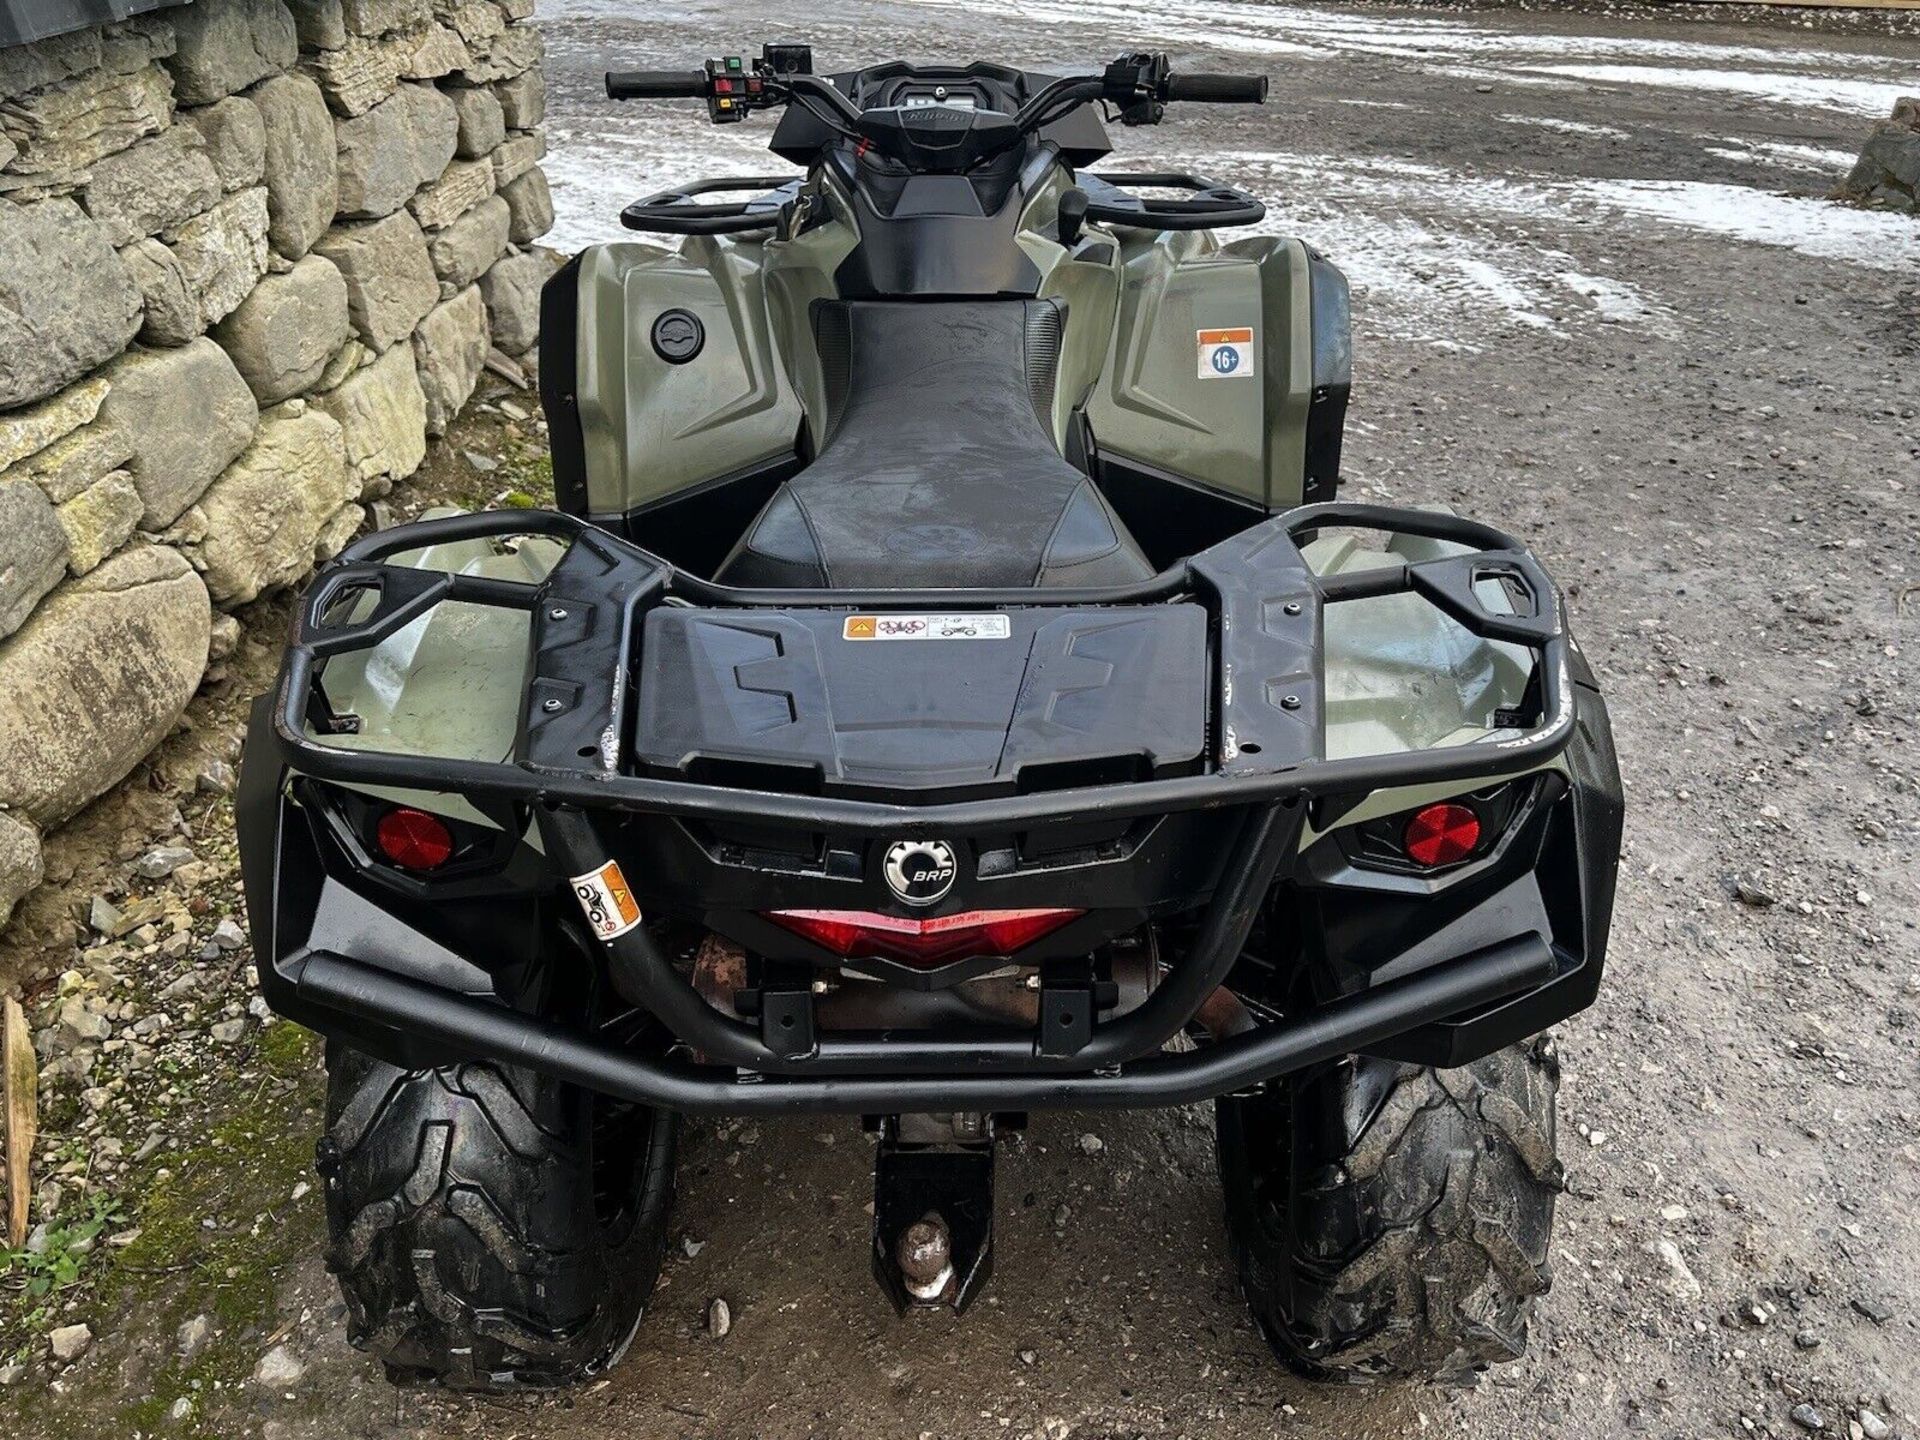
(1137, 86)
(736, 85)
(728, 99)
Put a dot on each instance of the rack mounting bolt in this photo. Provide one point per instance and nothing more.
(552, 707)
(558, 612)
(1289, 702)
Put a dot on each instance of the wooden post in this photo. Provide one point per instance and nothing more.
(23, 1117)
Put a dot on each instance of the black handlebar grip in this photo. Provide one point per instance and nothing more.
(657, 84)
(1218, 89)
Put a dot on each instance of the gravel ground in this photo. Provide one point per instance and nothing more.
(1600, 302)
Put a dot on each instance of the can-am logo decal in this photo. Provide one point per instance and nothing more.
(920, 872)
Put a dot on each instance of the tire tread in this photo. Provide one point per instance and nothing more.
(462, 1228)
(1418, 1224)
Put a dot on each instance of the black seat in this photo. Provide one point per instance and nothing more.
(938, 470)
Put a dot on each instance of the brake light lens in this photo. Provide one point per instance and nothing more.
(853, 934)
(1442, 834)
(413, 839)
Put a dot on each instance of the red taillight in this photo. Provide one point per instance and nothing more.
(855, 933)
(414, 840)
(1442, 834)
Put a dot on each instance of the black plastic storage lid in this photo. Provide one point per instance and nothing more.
(951, 706)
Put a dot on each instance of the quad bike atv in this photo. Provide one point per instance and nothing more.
(948, 690)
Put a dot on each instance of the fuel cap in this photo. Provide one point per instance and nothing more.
(678, 336)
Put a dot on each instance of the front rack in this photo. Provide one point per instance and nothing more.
(680, 211)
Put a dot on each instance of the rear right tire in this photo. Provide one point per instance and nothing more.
(489, 1227)
(1393, 1221)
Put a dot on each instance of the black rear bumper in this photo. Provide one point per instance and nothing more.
(472, 1027)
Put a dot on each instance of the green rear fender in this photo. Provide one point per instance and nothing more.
(651, 428)
(1241, 431)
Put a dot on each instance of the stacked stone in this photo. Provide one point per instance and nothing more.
(253, 253)
(1888, 174)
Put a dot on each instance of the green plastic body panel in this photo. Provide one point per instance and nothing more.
(1244, 434)
(800, 271)
(1135, 302)
(449, 684)
(652, 429)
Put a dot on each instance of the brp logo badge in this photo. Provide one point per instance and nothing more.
(920, 872)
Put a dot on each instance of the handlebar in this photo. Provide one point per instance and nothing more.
(1138, 86)
(1218, 89)
(656, 85)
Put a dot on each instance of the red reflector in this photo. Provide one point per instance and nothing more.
(852, 933)
(414, 840)
(1442, 834)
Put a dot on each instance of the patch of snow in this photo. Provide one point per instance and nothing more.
(1477, 260)
(1612, 299)
(1820, 92)
(1480, 50)
(593, 173)
(1816, 228)
(1567, 127)
(1504, 79)
(1484, 246)
(1506, 291)
(1791, 157)
(1233, 22)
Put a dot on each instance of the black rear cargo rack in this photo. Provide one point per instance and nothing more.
(573, 769)
(1264, 599)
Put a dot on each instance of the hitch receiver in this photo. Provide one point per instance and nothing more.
(933, 1208)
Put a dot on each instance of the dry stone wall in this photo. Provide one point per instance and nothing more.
(253, 253)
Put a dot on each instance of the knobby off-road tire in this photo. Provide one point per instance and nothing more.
(1391, 1221)
(489, 1227)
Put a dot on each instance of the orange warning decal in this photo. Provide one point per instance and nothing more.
(607, 900)
(1226, 354)
(860, 627)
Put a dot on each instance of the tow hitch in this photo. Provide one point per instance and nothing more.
(933, 1208)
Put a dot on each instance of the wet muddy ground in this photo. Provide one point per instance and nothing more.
(1601, 301)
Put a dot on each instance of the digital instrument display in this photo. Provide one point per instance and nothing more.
(924, 99)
